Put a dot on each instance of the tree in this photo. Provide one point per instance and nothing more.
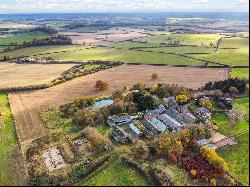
(97, 139)
(140, 150)
(214, 159)
(233, 90)
(236, 114)
(182, 99)
(154, 76)
(84, 118)
(143, 102)
(163, 91)
(100, 85)
(205, 102)
(139, 86)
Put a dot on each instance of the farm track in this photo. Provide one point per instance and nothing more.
(26, 106)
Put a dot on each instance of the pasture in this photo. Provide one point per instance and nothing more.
(11, 166)
(124, 176)
(236, 156)
(26, 106)
(20, 38)
(20, 75)
(233, 51)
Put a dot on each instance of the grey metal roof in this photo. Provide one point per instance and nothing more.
(169, 121)
(134, 129)
(157, 124)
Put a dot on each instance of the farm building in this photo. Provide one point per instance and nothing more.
(120, 135)
(155, 112)
(171, 124)
(119, 120)
(170, 101)
(154, 125)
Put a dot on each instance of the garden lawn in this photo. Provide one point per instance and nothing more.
(114, 173)
(11, 168)
(236, 156)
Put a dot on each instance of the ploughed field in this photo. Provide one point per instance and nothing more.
(26, 106)
(20, 75)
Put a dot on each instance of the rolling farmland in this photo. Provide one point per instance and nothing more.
(26, 106)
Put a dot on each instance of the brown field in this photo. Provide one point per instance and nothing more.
(26, 106)
(16, 25)
(15, 75)
(105, 37)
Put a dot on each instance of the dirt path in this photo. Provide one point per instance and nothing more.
(26, 106)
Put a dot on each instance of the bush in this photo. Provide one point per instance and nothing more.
(84, 118)
(100, 85)
(161, 177)
(154, 76)
(97, 139)
(214, 159)
(140, 150)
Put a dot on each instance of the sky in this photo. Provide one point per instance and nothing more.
(95, 6)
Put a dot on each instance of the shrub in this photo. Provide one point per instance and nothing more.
(154, 76)
(161, 176)
(84, 118)
(214, 159)
(140, 150)
(193, 173)
(213, 182)
(97, 139)
(182, 99)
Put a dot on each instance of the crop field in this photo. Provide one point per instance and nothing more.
(20, 75)
(11, 167)
(236, 156)
(106, 36)
(26, 106)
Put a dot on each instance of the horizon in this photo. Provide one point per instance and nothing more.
(121, 6)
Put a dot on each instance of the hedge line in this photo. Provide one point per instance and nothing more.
(81, 171)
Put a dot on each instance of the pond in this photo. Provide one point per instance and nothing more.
(102, 103)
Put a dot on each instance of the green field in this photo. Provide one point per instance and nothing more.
(114, 173)
(185, 39)
(233, 51)
(236, 156)
(11, 168)
(20, 38)
(241, 73)
(40, 50)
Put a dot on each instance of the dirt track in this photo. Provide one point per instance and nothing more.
(26, 106)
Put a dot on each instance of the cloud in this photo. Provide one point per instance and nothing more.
(200, 1)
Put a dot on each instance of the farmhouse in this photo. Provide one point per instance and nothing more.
(119, 120)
